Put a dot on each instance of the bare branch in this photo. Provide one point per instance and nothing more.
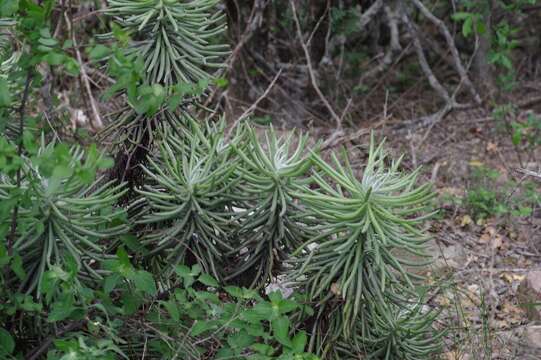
(434, 82)
(392, 51)
(97, 123)
(252, 107)
(372, 11)
(254, 22)
(452, 47)
(393, 18)
(311, 69)
(535, 175)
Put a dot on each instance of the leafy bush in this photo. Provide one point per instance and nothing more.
(273, 224)
(174, 263)
(63, 213)
(362, 221)
(489, 196)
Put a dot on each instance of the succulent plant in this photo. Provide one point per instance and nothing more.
(174, 38)
(187, 204)
(351, 266)
(273, 224)
(63, 213)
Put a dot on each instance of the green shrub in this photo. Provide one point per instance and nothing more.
(273, 224)
(62, 212)
(94, 268)
(353, 270)
(489, 196)
(189, 200)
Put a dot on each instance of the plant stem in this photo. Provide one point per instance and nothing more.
(21, 112)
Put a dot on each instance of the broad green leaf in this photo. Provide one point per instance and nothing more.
(60, 172)
(130, 302)
(72, 66)
(8, 7)
(225, 353)
(111, 282)
(17, 267)
(201, 326)
(234, 291)
(99, 52)
(144, 281)
(61, 310)
(47, 45)
(208, 280)
(240, 340)
(221, 82)
(183, 270)
(467, 27)
(280, 329)
(460, 16)
(299, 342)
(5, 95)
(263, 349)
(173, 309)
(7, 344)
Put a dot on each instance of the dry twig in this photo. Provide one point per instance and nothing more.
(452, 47)
(369, 14)
(252, 107)
(97, 123)
(535, 175)
(311, 72)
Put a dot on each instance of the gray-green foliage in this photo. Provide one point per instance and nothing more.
(64, 213)
(273, 224)
(188, 200)
(235, 206)
(174, 38)
(352, 260)
(5, 24)
(273, 209)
